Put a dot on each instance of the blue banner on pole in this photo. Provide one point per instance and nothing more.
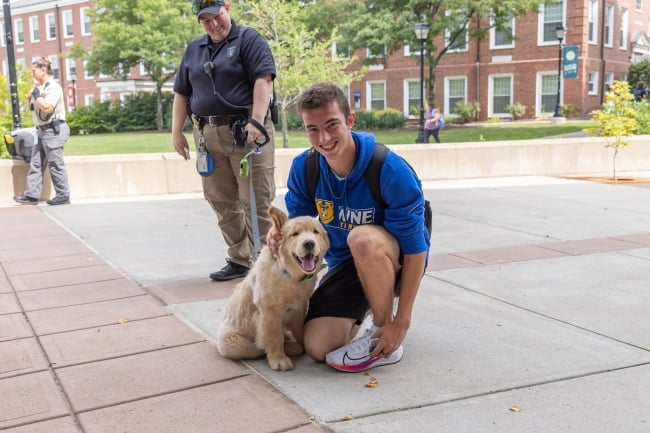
(570, 61)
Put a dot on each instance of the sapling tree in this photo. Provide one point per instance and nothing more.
(617, 119)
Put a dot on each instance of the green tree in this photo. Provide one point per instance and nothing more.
(639, 71)
(25, 84)
(150, 33)
(301, 58)
(617, 119)
(386, 26)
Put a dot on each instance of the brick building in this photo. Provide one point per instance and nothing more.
(49, 28)
(519, 64)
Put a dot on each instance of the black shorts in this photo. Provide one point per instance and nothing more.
(340, 294)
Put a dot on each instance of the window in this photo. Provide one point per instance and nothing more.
(622, 37)
(340, 52)
(592, 83)
(70, 68)
(377, 92)
(376, 52)
(50, 23)
(456, 91)
(456, 38)
(547, 92)
(2, 37)
(87, 74)
(609, 26)
(504, 35)
(55, 65)
(638, 5)
(85, 21)
(412, 92)
(19, 32)
(551, 17)
(593, 21)
(68, 25)
(609, 78)
(501, 94)
(34, 29)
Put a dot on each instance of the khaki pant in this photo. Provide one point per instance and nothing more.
(229, 194)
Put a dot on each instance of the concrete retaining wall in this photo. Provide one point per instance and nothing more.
(107, 176)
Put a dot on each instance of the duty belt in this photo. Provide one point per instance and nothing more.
(47, 126)
(219, 120)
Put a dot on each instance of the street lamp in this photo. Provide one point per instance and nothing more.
(559, 32)
(421, 32)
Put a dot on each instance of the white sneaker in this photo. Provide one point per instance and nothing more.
(355, 356)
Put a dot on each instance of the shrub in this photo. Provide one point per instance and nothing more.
(467, 111)
(516, 110)
(571, 110)
(389, 119)
(364, 120)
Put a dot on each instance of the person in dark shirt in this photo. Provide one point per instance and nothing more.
(224, 83)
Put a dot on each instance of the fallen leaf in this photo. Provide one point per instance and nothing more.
(123, 320)
(90, 259)
(515, 409)
(347, 418)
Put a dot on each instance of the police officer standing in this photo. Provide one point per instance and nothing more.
(48, 112)
(225, 83)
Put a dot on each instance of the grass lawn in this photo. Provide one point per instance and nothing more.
(157, 142)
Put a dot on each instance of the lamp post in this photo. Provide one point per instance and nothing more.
(559, 32)
(421, 32)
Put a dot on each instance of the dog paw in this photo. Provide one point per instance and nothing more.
(292, 348)
(280, 364)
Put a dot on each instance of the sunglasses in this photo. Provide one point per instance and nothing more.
(198, 5)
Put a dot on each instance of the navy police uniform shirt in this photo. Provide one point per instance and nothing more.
(239, 60)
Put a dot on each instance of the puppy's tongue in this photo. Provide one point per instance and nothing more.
(308, 263)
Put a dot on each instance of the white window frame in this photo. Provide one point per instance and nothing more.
(592, 83)
(538, 93)
(609, 79)
(448, 35)
(70, 68)
(336, 55)
(371, 55)
(50, 24)
(624, 29)
(638, 5)
(542, 20)
(2, 37)
(610, 11)
(369, 99)
(87, 75)
(19, 31)
(34, 29)
(493, 36)
(407, 83)
(67, 21)
(84, 19)
(447, 108)
(55, 66)
(491, 78)
(593, 27)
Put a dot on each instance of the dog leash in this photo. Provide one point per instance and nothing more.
(245, 169)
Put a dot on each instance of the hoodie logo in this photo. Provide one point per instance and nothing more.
(325, 211)
(231, 51)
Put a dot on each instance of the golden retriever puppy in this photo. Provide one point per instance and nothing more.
(266, 312)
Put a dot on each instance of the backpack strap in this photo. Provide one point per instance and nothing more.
(373, 172)
(312, 171)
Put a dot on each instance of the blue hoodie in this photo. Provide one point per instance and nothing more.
(343, 204)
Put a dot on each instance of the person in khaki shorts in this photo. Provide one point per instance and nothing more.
(48, 111)
(225, 83)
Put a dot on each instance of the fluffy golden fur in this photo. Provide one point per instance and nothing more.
(266, 311)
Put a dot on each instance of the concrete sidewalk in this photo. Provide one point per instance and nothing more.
(532, 317)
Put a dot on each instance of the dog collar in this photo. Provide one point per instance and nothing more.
(310, 276)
